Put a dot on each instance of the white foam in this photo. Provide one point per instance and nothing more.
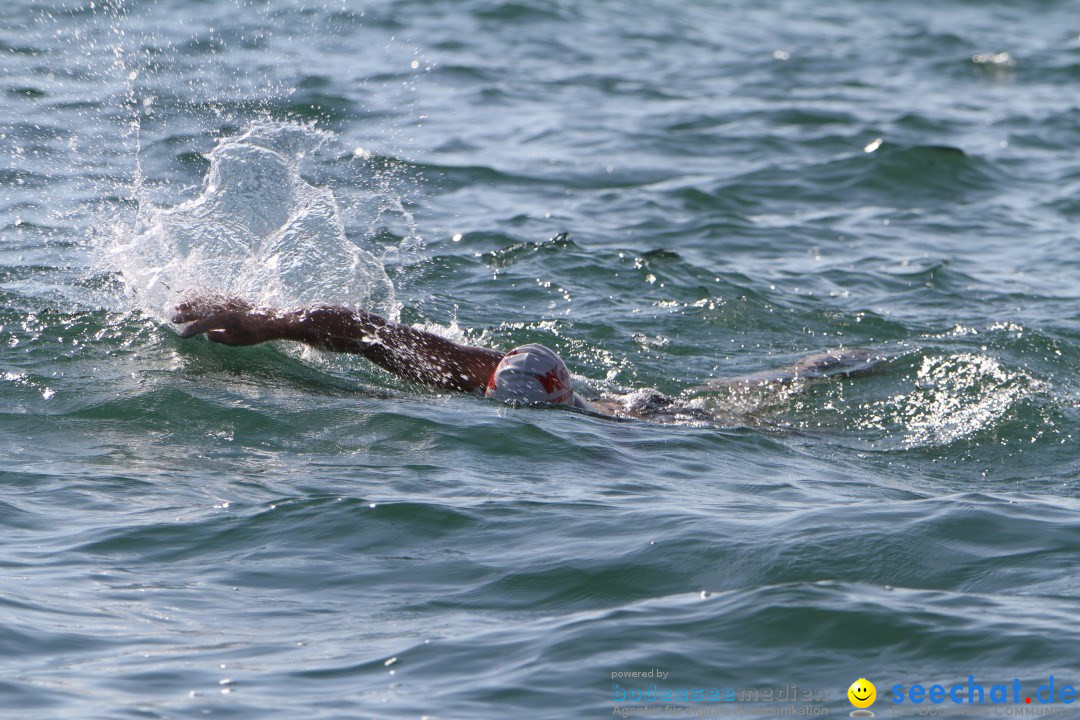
(258, 230)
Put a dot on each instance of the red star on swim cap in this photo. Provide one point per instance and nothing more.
(551, 382)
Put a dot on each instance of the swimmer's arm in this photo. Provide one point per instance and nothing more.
(412, 354)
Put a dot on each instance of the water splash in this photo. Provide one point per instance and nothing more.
(257, 230)
(956, 396)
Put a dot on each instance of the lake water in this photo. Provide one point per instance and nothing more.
(191, 530)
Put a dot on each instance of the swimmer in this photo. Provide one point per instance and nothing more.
(530, 374)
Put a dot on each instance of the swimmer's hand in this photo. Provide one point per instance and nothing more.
(229, 321)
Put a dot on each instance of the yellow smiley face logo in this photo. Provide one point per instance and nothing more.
(862, 693)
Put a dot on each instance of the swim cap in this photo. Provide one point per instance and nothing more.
(531, 374)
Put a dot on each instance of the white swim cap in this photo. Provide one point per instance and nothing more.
(531, 374)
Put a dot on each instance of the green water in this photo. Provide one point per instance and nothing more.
(190, 530)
